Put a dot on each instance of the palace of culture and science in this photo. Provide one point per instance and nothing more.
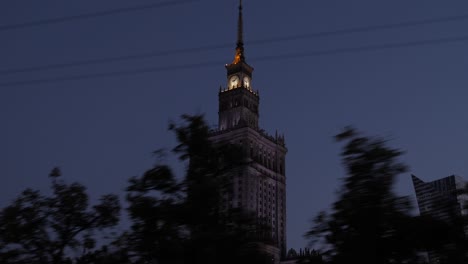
(259, 186)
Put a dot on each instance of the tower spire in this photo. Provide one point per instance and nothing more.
(240, 38)
(240, 25)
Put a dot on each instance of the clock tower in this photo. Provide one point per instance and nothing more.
(238, 103)
(259, 185)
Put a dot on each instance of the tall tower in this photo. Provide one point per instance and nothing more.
(259, 185)
(440, 198)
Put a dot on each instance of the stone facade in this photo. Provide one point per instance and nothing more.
(260, 185)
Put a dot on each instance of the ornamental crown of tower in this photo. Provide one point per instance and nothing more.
(239, 72)
(238, 102)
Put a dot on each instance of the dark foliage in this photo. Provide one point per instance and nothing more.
(41, 229)
(369, 223)
(186, 220)
(454, 249)
(172, 220)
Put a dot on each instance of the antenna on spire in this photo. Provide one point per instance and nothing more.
(240, 38)
(240, 27)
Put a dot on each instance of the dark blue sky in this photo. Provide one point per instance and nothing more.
(101, 131)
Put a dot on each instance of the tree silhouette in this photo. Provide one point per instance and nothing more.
(41, 229)
(173, 220)
(454, 249)
(367, 223)
(187, 220)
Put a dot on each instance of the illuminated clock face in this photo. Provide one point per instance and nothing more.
(234, 82)
(246, 82)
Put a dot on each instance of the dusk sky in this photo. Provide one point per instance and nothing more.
(396, 69)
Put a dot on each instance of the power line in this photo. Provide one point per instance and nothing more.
(94, 14)
(366, 28)
(225, 45)
(366, 48)
(264, 58)
(112, 74)
(112, 59)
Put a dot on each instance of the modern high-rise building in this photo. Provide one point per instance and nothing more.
(441, 198)
(258, 186)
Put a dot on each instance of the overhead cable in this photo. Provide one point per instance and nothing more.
(226, 45)
(57, 20)
(296, 55)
